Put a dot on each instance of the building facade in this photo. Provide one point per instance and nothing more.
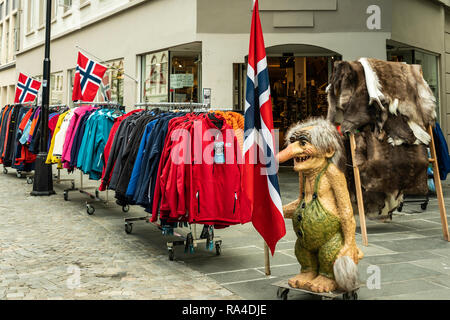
(174, 50)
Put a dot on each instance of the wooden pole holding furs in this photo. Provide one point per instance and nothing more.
(359, 196)
(438, 185)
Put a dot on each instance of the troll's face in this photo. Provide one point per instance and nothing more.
(307, 156)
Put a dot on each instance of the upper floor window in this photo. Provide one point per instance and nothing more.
(1, 11)
(14, 4)
(67, 5)
(41, 12)
(54, 10)
(30, 15)
(6, 7)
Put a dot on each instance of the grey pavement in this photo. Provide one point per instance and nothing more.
(44, 240)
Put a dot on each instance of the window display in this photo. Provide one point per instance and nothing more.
(154, 76)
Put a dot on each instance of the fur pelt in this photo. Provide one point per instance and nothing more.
(387, 172)
(391, 96)
(391, 106)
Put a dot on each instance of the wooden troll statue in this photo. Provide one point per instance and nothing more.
(322, 217)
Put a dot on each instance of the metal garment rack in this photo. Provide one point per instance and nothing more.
(90, 209)
(57, 177)
(191, 240)
(31, 104)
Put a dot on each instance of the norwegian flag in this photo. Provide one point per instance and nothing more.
(105, 89)
(88, 77)
(26, 89)
(260, 180)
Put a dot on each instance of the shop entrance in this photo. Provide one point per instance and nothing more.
(299, 76)
(298, 89)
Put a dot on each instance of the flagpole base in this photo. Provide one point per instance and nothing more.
(43, 180)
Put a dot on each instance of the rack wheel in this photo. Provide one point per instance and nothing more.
(5, 171)
(424, 205)
(171, 254)
(126, 208)
(128, 228)
(282, 293)
(66, 195)
(218, 248)
(400, 207)
(29, 180)
(19, 174)
(90, 209)
(355, 295)
(73, 185)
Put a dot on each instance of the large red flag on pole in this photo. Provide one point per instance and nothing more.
(260, 180)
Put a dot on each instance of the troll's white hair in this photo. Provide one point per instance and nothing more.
(324, 136)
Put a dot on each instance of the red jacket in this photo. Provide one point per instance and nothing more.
(202, 192)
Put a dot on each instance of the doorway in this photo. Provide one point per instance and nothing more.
(299, 76)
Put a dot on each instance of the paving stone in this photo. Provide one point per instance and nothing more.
(53, 250)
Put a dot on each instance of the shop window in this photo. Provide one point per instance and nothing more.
(56, 87)
(154, 77)
(111, 88)
(239, 85)
(184, 77)
(164, 70)
(180, 85)
(428, 62)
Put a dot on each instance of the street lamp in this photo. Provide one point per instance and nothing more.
(43, 180)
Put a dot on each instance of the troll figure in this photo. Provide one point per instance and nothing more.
(322, 216)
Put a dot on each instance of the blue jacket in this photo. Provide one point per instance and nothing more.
(132, 185)
(441, 152)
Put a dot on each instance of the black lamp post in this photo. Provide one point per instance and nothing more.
(43, 180)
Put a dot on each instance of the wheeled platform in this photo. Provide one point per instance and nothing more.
(190, 241)
(284, 288)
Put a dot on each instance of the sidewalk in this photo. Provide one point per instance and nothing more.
(41, 237)
(46, 242)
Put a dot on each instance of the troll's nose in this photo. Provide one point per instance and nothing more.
(290, 152)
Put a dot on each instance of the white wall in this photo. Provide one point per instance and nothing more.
(151, 26)
(220, 51)
(71, 20)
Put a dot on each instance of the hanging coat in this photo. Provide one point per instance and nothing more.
(441, 152)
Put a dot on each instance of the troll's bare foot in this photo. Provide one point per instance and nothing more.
(321, 284)
(301, 279)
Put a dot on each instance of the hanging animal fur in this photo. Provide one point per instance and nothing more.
(391, 105)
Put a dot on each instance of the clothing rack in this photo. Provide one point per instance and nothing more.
(175, 105)
(191, 240)
(100, 103)
(57, 177)
(90, 209)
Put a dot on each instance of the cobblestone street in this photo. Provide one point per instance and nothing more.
(46, 242)
(52, 249)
